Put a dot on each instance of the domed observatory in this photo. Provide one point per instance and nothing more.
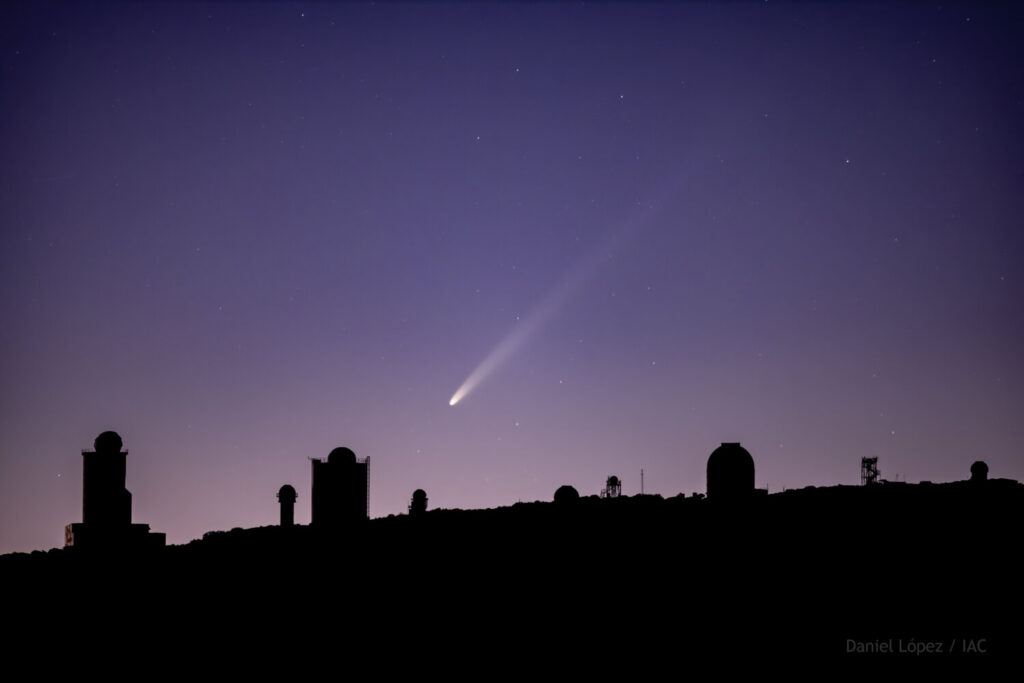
(566, 494)
(418, 504)
(730, 473)
(106, 503)
(341, 489)
(286, 496)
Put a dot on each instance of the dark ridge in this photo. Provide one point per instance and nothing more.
(802, 574)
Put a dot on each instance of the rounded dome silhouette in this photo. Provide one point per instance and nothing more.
(418, 505)
(730, 472)
(108, 442)
(342, 455)
(286, 494)
(979, 471)
(566, 494)
(613, 481)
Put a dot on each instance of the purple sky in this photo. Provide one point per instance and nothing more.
(242, 235)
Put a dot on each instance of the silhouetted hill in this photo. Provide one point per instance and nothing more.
(793, 575)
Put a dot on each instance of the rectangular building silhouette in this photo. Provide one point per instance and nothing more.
(341, 489)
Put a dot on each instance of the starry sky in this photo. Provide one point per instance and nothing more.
(243, 234)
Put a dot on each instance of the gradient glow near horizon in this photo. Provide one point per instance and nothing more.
(243, 234)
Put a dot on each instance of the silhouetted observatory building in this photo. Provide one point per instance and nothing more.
(106, 503)
(286, 497)
(341, 489)
(730, 473)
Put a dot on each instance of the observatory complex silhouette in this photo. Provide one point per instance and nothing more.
(341, 489)
(106, 503)
(961, 536)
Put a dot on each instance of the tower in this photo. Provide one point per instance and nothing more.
(612, 488)
(106, 503)
(868, 471)
(341, 489)
(105, 500)
(286, 496)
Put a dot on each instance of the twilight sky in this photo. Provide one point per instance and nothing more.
(243, 234)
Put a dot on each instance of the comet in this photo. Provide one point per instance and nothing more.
(521, 334)
(558, 297)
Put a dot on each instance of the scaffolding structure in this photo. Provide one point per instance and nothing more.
(868, 471)
(612, 488)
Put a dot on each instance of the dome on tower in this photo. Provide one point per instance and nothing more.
(342, 455)
(286, 494)
(108, 442)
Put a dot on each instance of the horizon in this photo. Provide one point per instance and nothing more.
(501, 248)
(611, 492)
(600, 494)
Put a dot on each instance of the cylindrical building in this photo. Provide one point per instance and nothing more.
(286, 496)
(730, 473)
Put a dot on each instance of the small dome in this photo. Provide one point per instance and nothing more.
(341, 455)
(979, 471)
(418, 504)
(287, 494)
(108, 442)
(730, 472)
